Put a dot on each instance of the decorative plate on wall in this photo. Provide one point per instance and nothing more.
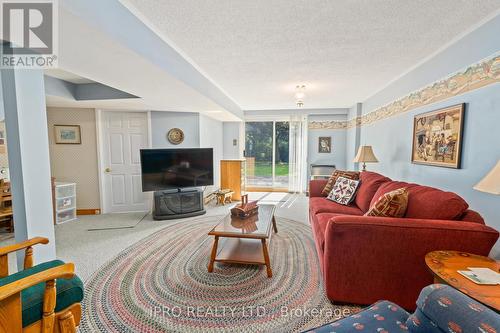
(175, 136)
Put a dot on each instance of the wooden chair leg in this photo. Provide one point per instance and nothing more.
(67, 323)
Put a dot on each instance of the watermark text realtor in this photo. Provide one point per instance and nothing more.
(29, 33)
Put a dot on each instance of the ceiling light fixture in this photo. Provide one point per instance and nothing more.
(300, 95)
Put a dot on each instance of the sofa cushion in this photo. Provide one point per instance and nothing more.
(370, 182)
(382, 316)
(68, 292)
(322, 205)
(391, 204)
(333, 178)
(343, 191)
(426, 202)
(472, 216)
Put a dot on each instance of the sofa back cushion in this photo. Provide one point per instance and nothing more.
(370, 182)
(472, 216)
(426, 202)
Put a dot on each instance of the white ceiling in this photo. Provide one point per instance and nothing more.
(344, 51)
(67, 76)
(90, 55)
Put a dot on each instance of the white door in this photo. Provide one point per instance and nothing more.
(123, 135)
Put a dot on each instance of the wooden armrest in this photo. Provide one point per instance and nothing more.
(19, 246)
(66, 271)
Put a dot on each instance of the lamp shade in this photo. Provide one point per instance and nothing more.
(490, 183)
(365, 155)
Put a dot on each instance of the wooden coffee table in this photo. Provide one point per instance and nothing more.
(445, 264)
(246, 240)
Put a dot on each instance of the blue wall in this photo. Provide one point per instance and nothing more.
(391, 138)
(338, 153)
(162, 122)
(353, 137)
(392, 141)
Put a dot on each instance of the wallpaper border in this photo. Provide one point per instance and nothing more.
(476, 76)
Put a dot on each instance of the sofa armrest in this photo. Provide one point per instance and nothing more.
(466, 313)
(384, 258)
(316, 186)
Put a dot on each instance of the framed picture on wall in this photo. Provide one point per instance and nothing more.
(325, 144)
(67, 134)
(437, 137)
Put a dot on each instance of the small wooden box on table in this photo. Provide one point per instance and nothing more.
(247, 240)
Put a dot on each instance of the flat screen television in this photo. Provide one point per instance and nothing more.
(168, 169)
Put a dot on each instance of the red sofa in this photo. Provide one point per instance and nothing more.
(365, 259)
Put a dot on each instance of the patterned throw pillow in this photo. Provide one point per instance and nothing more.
(391, 204)
(343, 191)
(333, 178)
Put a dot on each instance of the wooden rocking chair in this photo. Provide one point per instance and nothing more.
(32, 301)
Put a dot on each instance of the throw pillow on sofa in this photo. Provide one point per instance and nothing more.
(343, 191)
(391, 204)
(335, 175)
(427, 202)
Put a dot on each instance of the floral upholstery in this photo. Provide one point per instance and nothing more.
(381, 317)
(452, 311)
(440, 308)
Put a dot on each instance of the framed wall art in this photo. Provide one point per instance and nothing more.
(325, 144)
(67, 134)
(437, 137)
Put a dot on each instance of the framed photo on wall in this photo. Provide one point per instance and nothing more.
(67, 134)
(325, 144)
(437, 137)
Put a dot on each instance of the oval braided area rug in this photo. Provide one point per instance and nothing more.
(161, 284)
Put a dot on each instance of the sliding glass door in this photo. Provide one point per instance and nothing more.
(267, 154)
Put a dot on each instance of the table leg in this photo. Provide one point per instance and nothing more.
(274, 225)
(213, 255)
(266, 258)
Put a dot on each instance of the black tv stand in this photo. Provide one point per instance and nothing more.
(177, 204)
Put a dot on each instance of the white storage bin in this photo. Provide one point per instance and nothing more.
(65, 203)
(64, 190)
(65, 216)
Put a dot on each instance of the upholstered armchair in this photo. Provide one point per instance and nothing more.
(43, 298)
(440, 308)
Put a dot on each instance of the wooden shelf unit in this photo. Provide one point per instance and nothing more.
(233, 177)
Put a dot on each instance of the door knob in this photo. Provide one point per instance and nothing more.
(107, 170)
